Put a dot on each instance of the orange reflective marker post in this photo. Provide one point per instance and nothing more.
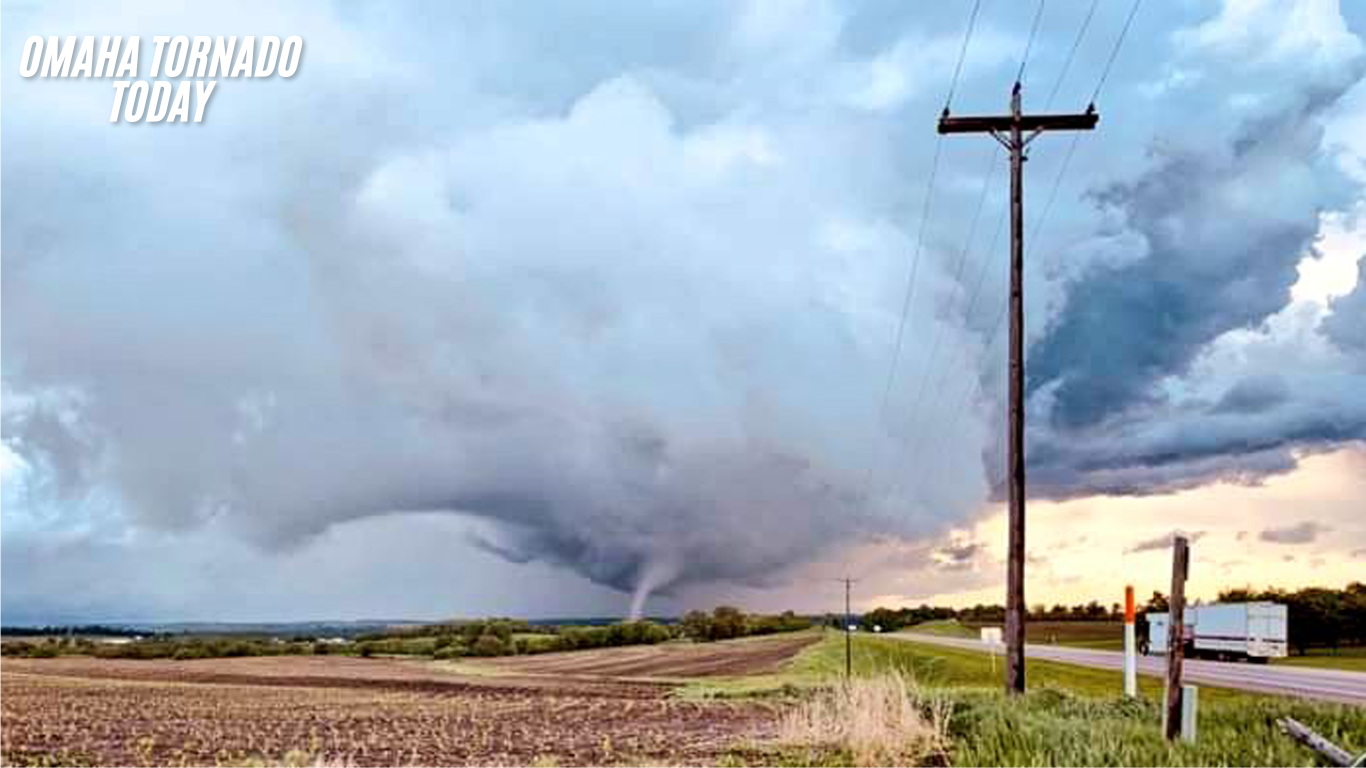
(1130, 653)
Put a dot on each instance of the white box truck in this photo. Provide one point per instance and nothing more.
(1255, 631)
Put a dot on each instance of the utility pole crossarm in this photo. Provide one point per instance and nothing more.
(1004, 123)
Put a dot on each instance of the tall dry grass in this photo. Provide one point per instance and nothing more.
(882, 720)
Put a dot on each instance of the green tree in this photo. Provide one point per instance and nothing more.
(727, 622)
(697, 626)
(490, 645)
(889, 620)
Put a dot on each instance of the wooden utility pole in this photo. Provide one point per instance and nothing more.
(848, 639)
(1010, 130)
(1176, 634)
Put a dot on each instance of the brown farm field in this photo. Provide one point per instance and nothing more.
(591, 707)
(668, 661)
(1105, 635)
(1087, 634)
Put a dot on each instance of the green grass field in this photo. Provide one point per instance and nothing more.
(944, 628)
(1350, 659)
(1107, 635)
(1072, 715)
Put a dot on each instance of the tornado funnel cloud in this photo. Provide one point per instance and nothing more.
(656, 573)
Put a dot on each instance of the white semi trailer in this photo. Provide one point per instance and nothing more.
(1255, 631)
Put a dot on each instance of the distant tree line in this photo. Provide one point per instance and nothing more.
(501, 637)
(1318, 617)
(179, 647)
(85, 630)
(449, 640)
(728, 622)
(893, 619)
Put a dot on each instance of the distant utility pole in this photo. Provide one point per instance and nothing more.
(1010, 131)
(848, 622)
(1176, 634)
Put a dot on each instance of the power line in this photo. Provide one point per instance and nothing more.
(934, 348)
(1017, 123)
(1067, 159)
(925, 215)
(1040, 223)
(1114, 52)
(1053, 193)
(1057, 85)
(909, 295)
(1033, 30)
(906, 303)
(957, 412)
(962, 53)
(958, 279)
(986, 263)
(1071, 54)
(967, 316)
(1076, 137)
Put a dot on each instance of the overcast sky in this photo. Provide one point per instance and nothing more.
(547, 309)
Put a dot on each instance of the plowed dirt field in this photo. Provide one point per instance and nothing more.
(596, 707)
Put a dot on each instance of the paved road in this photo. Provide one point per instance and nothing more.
(1305, 682)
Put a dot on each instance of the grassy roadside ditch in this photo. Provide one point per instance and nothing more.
(1072, 716)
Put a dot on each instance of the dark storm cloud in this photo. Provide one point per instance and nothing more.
(1346, 326)
(484, 543)
(65, 457)
(627, 329)
(1299, 533)
(1162, 542)
(1213, 261)
(1254, 394)
(957, 555)
(1139, 457)
(1223, 226)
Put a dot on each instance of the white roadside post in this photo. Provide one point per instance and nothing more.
(991, 638)
(1189, 696)
(1130, 652)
